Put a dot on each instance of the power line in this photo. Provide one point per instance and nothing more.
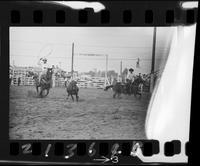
(87, 45)
(118, 47)
(90, 58)
(39, 42)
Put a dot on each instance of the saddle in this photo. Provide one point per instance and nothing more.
(45, 81)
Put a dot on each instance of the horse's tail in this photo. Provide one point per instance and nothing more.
(108, 87)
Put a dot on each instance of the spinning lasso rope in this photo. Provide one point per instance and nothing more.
(45, 51)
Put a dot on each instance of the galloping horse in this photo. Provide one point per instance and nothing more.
(72, 89)
(45, 83)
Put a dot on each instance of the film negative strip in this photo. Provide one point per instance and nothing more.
(100, 82)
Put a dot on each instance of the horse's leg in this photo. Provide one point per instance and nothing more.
(47, 93)
(140, 96)
(135, 91)
(114, 94)
(141, 90)
(37, 89)
(68, 96)
(41, 91)
(129, 89)
(119, 95)
(77, 97)
(72, 97)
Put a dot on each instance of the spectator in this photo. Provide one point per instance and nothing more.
(143, 76)
(18, 81)
(10, 80)
(140, 77)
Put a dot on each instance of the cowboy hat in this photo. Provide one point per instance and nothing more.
(44, 60)
(131, 69)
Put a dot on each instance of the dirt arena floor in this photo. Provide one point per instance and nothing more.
(96, 116)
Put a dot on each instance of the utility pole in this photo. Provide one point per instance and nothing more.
(106, 75)
(153, 61)
(72, 69)
(121, 68)
(106, 65)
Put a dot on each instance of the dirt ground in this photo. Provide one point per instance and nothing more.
(96, 116)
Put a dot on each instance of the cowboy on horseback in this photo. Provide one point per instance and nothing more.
(44, 66)
(131, 75)
(130, 80)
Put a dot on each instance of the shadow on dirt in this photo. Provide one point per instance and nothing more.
(71, 101)
(32, 94)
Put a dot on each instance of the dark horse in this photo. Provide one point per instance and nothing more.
(45, 83)
(125, 88)
(134, 87)
(72, 89)
(118, 88)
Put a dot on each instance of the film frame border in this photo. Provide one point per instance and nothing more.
(166, 13)
(173, 17)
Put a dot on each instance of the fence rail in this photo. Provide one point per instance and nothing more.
(60, 82)
(94, 82)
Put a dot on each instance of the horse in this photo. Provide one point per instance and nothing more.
(72, 89)
(118, 88)
(126, 88)
(45, 83)
(135, 87)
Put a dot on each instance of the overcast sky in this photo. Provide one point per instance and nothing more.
(27, 44)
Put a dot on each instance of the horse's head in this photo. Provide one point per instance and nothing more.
(30, 73)
(49, 73)
(35, 76)
(73, 84)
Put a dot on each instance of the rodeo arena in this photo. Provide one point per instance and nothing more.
(97, 104)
